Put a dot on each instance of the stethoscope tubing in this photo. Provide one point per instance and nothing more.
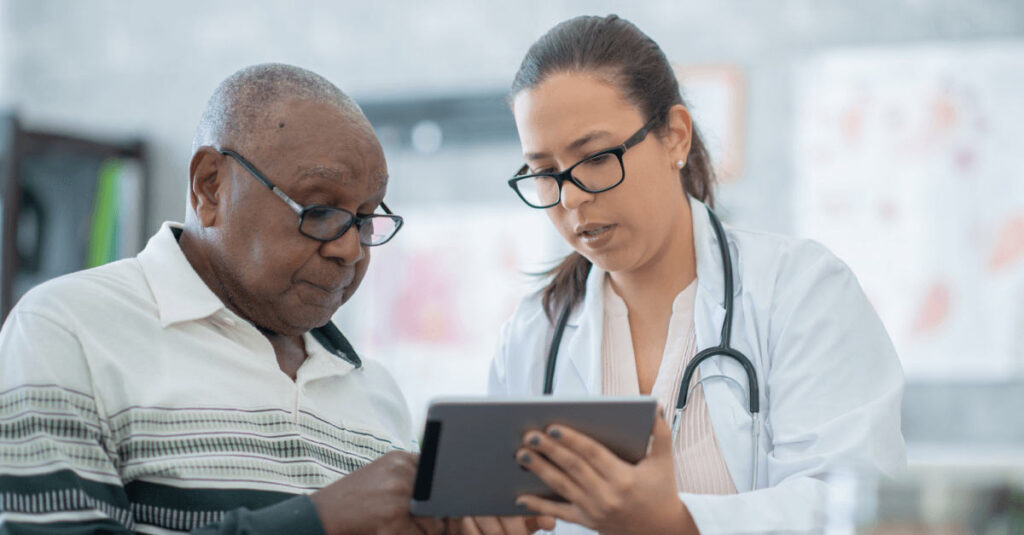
(723, 349)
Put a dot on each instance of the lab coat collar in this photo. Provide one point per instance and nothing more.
(585, 331)
(710, 270)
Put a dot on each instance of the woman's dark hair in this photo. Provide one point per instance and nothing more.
(614, 48)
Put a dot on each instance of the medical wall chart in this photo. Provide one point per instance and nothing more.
(434, 299)
(716, 95)
(910, 166)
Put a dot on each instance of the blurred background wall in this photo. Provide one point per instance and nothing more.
(884, 128)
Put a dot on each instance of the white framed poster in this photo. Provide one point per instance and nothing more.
(910, 167)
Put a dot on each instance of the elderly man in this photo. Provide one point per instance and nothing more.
(201, 385)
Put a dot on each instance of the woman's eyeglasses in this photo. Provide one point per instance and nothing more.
(598, 172)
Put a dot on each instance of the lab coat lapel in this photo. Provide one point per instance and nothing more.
(709, 306)
(583, 334)
(725, 402)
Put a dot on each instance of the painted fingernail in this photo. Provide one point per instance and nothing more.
(525, 458)
(534, 440)
(554, 432)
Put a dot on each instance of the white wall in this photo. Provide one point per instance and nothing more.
(126, 68)
(109, 67)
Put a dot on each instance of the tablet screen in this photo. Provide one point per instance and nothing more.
(467, 461)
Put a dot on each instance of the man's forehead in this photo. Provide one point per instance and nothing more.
(344, 176)
(316, 140)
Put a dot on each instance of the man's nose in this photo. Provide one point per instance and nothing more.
(345, 247)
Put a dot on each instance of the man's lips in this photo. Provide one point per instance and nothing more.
(333, 286)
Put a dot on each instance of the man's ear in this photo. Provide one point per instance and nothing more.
(680, 133)
(205, 184)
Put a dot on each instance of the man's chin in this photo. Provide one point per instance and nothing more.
(296, 321)
(303, 323)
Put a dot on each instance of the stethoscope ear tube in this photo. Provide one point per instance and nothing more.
(549, 371)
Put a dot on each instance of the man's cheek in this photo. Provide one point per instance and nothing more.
(357, 279)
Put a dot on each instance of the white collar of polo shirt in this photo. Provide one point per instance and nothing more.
(181, 295)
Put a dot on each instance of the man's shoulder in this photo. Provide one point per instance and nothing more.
(95, 291)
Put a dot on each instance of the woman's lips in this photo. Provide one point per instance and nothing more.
(595, 236)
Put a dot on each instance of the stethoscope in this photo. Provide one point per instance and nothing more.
(722, 349)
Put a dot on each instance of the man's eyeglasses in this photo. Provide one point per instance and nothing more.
(598, 172)
(328, 223)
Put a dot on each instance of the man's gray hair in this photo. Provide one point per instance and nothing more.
(241, 101)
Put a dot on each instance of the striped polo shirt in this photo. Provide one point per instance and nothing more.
(132, 399)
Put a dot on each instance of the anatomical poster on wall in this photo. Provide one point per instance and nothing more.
(435, 297)
(909, 167)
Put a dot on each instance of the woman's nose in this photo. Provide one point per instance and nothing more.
(573, 196)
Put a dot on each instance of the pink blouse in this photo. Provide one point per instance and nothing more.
(700, 467)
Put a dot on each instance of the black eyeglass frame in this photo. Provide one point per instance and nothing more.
(566, 176)
(354, 219)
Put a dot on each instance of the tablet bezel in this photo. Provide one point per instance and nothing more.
(467, 465)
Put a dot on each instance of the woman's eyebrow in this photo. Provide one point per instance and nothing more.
(579, 142)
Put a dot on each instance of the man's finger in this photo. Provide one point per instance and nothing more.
(469, 527)
(429, 525)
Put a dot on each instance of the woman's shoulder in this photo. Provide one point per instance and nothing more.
(761, 250)
(778, 269)
(529, 314)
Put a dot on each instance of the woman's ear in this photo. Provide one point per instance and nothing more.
(204, 184)
(680, 133)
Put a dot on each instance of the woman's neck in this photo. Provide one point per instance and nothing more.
(653, 286)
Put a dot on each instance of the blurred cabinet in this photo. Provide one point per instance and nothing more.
(69, 203)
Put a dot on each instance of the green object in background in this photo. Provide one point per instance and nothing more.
(103, 235)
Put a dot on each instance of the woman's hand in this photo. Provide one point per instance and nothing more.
(604, 492)
(506, 525)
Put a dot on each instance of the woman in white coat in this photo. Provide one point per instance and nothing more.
(614, 159)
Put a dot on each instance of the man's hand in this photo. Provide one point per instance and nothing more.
(374, 499)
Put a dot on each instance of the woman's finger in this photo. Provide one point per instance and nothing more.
(604, 462)
(535, 523)
(568, 460)
(487, 525)
(563, 511)
(661, 438)
(550, 474)
(513, 525)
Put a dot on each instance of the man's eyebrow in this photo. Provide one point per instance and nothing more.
(579, 142)
(321, 171)
(314, 177)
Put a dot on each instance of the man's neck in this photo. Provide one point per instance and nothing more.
(290, 350)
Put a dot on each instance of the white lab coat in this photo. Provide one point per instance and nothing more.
(830, 382)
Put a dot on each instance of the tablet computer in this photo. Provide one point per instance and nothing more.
(467, 459)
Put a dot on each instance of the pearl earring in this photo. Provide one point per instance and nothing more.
(680, 164)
